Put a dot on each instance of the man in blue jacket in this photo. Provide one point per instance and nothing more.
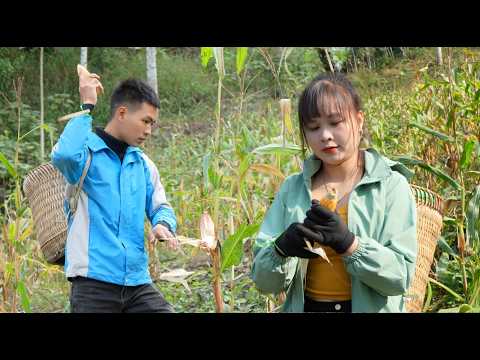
(105, 255)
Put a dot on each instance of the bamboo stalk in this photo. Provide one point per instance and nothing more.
(42, 132)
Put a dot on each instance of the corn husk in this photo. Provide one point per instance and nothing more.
(207, 231)
(286, 110)
(177, 276)
(317, 250)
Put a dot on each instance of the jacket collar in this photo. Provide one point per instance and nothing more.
(377, 167)
(95, 143)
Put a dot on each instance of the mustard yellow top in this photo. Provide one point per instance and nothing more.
(329, 281)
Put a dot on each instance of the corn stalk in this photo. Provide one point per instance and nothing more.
(210, 243)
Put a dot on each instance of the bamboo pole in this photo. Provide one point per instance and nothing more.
(42, 132)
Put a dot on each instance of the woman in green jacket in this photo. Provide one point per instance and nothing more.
(368, 236)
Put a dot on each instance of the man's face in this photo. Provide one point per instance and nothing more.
(136, 123)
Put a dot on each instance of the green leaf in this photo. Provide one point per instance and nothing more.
(11, 233)
(449, 310)
(244, 165)
(443, 245)
(206, 53)
(473, 217)
(242, 53)
(232, 247)
(430, 131)
(8, 166)
(450, 118)
(449, 221)
(429, 297)
(453, 293)
(437, 172)
(278, 149)
(477, 95)
(22, 291)
(466, 158)
(465, 308)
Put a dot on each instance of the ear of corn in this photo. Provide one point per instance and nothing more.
(329, 202)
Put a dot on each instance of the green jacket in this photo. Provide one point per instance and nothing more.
(382, 215)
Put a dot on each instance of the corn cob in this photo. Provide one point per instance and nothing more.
(329, 202)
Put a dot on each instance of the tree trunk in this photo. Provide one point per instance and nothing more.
(83, 56)
(438, 54)
(152, 68)
(42, 133)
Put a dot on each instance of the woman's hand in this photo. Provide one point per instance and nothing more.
(292, 243)
(328, 229)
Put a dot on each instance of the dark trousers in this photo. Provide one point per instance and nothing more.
(93, 296)
(311, 305)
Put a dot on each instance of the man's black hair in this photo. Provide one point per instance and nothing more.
(133, 92)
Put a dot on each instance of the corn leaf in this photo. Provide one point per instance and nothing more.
(437, 172)
(232, 247)
(286, 109)
(242, 53)
(428, 300)
(465, 308)
(22, 291)
(11, 232)
(473, 217)
(8, 166)
(466, 158)
(449, 310)
(26, 233)
(268, 170)
(450, 291)
(430, 131)
(443, 245)
(278, 149)
(206, 53)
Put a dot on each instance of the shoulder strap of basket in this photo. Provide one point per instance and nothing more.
(73, 205)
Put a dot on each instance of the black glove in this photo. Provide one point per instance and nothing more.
(292, 242)
(327, 228)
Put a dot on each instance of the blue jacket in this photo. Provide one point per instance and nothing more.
(106, 235)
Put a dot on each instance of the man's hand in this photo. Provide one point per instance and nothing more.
(89, 86)
(161, 233)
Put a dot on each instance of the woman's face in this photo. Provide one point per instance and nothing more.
(333, 138)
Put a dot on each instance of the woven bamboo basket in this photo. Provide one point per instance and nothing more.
(429, 227)
(44, 188)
